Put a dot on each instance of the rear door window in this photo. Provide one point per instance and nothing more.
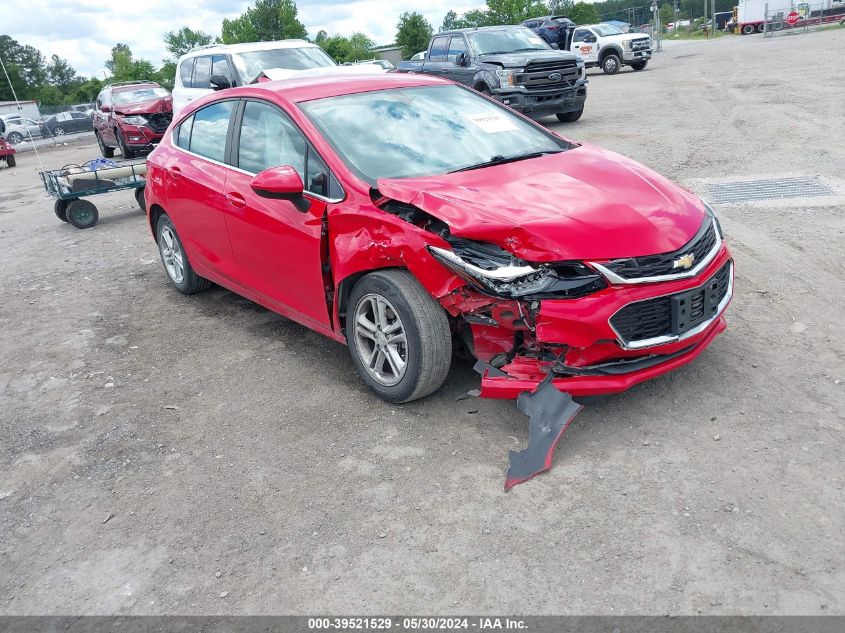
(210, 128)
(186, 70)
(202, 73)
(438, 49)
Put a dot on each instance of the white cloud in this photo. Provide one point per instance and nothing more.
(84, 31)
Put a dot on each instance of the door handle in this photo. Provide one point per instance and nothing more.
(175, 172)
(236, 200)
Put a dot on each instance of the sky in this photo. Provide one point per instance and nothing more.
(84, 31)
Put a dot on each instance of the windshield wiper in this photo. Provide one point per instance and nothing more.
(501, 160)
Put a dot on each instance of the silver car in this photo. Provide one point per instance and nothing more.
(20, 129)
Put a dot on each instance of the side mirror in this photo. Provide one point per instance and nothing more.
(554, 45)
(462, 59)
(220, 82)
(105, 108)
(281, 183)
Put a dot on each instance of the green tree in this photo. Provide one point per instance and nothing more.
(450, 21)
(583, 13)
(346, 49)
(667, 14)
(180, 42)
(26, 68)
(514, 11)
(560, 7)
(267, 21)
(413, 33)
(124, 67)
(61, 74)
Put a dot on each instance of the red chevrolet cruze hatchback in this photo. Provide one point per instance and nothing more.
(406, 215)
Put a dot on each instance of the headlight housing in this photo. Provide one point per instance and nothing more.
(134, 119)
(496, 272)
(627, 44)
(506, 77)
(709, 210)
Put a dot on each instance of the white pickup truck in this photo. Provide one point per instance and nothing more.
(606, 46)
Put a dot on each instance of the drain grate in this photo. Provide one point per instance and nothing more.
(747, 190)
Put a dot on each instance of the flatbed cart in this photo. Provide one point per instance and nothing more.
(70, 184)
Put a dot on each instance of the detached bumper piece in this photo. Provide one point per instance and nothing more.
(550, 412)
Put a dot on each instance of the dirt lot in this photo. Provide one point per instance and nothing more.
(171, 454)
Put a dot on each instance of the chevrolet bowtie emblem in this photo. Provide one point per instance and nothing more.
(684, 261)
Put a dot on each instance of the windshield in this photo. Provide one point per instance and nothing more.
(422, 131)
(137, 96)
(506, 41)
(250, 64)
(605, 29)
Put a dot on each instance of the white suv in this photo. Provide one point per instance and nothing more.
(239, 64)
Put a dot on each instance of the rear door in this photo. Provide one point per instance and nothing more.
(196, 176)
(277, 246)
(436, 62)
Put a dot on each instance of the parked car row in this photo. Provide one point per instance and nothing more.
(19, 128)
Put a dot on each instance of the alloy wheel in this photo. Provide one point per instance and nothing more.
(380, 339)
(171, 255)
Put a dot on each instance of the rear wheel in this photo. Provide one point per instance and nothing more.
(639, 65)
(11, 161)
(569, 117)
(106, 151)
(82, 214)
(761, 27)
(59, 131)
(611, 64)
(748, 29)
(14, 137)
(398, 336)
(60, 209)
(175, 260)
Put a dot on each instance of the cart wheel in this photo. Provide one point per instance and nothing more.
(82, 214)
(10, 161)
(139, 198)
(61, 209)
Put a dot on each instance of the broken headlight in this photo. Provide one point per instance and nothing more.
(494, 271)
(135, 119)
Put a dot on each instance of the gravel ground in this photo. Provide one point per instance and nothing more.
(169, 454)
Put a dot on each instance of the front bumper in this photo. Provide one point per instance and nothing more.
(636, 56)
(141, 137)
(575, 340)
(539, 104)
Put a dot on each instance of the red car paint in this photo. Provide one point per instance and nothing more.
(5, 148)
(110, 118)
(302, 265)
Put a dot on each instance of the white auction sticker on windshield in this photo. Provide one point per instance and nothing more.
(491, 122)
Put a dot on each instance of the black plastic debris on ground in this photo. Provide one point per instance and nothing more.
(550, 412)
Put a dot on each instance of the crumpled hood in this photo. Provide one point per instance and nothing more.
(521, 60)
(585, 203)
(155, 106)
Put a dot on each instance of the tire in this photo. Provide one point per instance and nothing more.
(82, 213)
(105, 150)
(761, 28)
(172, 252)
(569, 117)
(11, 161)
(139, 198)
(58, 131)
(60, 209)
(14, 137)
(639, 65)
(121, 143)
(748, 29)
(427, 343)
(485, 91)
(611, 64)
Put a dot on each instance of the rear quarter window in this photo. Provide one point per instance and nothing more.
(185, 72)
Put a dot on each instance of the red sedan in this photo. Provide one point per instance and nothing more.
(405, 215)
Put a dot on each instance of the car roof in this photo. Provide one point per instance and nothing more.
(140, 84)
(318, 87)
(247, 47)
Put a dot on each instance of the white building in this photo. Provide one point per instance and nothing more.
(27, 109)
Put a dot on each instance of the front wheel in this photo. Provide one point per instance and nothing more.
(60, 209)
(569, 117)
(10, 161)
(121, 141)
(639, 65)
(610, 65)
(175, 260)
(398, 336)
(82, 214)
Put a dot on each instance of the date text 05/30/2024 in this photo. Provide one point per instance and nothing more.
(417, 624)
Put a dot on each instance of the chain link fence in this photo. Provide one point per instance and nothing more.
(800, 17)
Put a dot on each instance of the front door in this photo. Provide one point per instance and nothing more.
(585, 43)
(277, 246)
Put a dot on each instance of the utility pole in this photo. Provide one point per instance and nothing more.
(657, 33)
(713, 23)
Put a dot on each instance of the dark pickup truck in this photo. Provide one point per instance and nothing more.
(512, 64)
